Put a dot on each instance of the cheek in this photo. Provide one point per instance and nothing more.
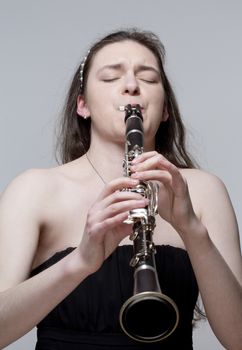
(158, 101)
(156, 94)
(94, 99)
(97, 93)
(160, 95)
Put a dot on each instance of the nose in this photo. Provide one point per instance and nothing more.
(131, 86)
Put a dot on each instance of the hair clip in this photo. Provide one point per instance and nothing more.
(82, 69)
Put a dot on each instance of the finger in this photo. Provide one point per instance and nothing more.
(153, 162)
(156, 175)
(145, 155)
(170, 176)
(118, 184)
(179, 183)
(120, 207)
(100, 229)
(117, 196)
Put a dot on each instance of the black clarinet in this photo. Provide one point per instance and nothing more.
(148, 315)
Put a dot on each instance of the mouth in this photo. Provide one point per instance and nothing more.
(121, 108)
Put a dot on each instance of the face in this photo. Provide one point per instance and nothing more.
(123, 73)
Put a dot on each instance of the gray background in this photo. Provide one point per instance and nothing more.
(42, 42)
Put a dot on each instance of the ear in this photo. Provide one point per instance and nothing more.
(165, 114)
(82, 109)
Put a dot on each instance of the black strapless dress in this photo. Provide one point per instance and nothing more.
(88, 318)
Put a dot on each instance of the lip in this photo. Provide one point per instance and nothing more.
(121, 108)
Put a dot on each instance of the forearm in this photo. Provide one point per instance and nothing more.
(221, 292)
(25, 305)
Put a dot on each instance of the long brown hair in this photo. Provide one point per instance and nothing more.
(74, 132)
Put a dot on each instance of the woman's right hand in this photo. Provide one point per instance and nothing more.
(105, 227)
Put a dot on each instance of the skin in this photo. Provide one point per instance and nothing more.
(118, 82)
(46, 210)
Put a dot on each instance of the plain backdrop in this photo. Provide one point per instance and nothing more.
(43, 41)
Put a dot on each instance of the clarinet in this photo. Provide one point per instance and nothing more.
(148, 315)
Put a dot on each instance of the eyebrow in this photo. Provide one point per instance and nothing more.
(120, 66)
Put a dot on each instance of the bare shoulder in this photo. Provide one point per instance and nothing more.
(32, 190)
(208, 194)
(210, 190)
(24, 205)
(204, 184)
(21, 219)
(217, 213)
(31, 181)
(194, 175)
(39, 179)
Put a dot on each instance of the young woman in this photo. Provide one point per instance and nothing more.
(65, 249)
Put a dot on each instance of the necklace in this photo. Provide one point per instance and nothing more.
(98, 174)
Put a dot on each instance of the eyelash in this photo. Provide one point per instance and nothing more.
(145, 80)
(109, 80)
(149, 81)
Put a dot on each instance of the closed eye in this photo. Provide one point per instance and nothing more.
(150, 81)
(148, 77)
(108, 80)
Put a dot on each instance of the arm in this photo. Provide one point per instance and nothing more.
(25, 302)
(214, 249)
(212, 241)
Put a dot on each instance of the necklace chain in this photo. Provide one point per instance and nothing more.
(98, 174)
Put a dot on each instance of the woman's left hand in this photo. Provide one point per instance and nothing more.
(174, 203)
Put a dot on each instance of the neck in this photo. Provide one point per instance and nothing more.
(107, 158)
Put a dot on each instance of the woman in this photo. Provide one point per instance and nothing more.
(66, 224)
